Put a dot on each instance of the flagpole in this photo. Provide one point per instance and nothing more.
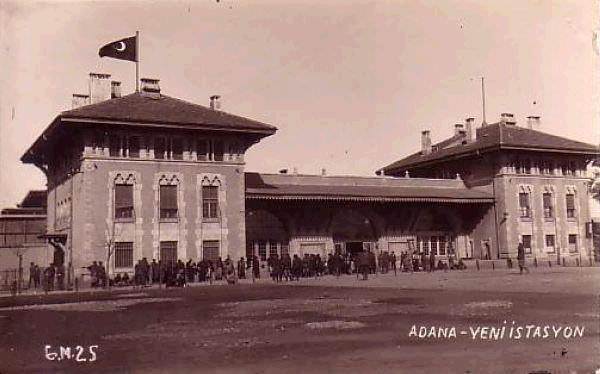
(137, 61)
(483, 100)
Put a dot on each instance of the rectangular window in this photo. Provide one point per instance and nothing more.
(98, 142)
(442, 245)
(526, 243)
(210, 202)
(547, 167)
(202, 150)
(572, 168)
(249, 249)
(168, 202)
(160, 148)
(210, 250)
(523, 166)
(218, 150)
(177, 149)
(547, 203)
(262, 250)
(451, 245)
(568, 168)
(123, 201)
(570, 199)
(550, 243)
(123, 254)
(134, 146)
(168, 252)
(573, 243)
(114, 146)
(285, 249)
(272, 248)
(524, 205)
(425, 245)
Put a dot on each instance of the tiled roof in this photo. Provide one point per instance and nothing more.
(494, 137)
(10, 213)
(293, 187)
(34, 199)
(138, 108)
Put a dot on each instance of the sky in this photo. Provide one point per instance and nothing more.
(349, 84)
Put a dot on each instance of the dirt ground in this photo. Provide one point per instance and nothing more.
(314, 326)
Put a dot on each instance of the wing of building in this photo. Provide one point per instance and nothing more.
(538, 181)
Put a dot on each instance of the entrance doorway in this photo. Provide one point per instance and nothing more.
(354, 247)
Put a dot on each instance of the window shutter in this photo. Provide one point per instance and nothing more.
(123, 196)
(547, 200)
(168, 197)
(523, 200)
(209, 192)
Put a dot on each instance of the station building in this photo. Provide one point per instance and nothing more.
(539, 184)
(22, 231)
(148, 175)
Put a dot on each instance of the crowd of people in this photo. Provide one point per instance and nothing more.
(176, 273)
(48, 278)
(279, 268)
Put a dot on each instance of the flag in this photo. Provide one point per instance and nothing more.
(124, 49)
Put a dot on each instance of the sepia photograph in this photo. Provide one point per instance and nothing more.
(300, 186)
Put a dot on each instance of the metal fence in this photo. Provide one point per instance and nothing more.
(10, 280)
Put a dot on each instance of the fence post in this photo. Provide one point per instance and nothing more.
(477, 264)
(577, 262)
(20, 274)
(493, 265)
(535, 264)
(563, 262)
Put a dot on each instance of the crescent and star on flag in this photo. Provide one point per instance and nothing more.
(124, 49)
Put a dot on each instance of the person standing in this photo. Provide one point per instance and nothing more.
(49, 273)
(364, 264)
(60, 276)
(432, 260)
(37, 277)
(424, 261)
(242, 268)
(521, 258)
(296, 267)
(31, 275)
(256, 267)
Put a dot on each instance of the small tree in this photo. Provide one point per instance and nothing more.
(111, 235)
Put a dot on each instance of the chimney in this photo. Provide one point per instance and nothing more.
(100, 87)
(469, 122)
(508, 119)
(215, 103)
(115, 89)
(150, 88)
(459, 129)
(323, 172)
(533, 122)
(80, 100)
(425, 142)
